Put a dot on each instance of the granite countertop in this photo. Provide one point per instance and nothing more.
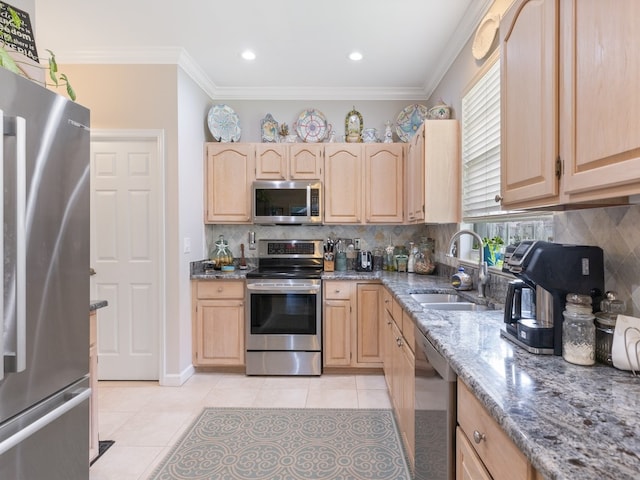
(572, 422)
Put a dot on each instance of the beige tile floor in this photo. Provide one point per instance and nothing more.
(145, 419)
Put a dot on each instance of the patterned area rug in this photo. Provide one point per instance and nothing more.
(287, 444)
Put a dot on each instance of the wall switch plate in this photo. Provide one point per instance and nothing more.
(356, 243)
(187, 245)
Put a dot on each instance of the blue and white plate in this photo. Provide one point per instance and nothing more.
(409, 120)
(224, 123)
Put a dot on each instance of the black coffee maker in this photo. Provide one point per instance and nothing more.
(545, 273)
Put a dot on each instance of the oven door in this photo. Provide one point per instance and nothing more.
(284, 315)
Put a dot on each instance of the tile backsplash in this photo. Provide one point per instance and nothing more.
(615, 229)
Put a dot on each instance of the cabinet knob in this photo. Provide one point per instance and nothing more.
(498, 198)
(399, 341)
(477, 436)
(220, 289)
(337, 290)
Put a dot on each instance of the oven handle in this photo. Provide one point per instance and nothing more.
(281, 288)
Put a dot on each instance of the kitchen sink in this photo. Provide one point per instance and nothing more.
(436, 297)
(446, 301)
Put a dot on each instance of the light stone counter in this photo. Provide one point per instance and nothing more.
(572, 422)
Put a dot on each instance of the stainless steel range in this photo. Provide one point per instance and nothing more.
(284, 309)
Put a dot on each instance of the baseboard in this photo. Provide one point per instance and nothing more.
(176, 380)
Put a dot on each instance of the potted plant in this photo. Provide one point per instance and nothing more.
(13, 65)
(493, 250)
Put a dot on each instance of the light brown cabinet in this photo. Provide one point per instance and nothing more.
(218, 322)
(369, 175)
(399, 367)
(229, 172)
(337, 322)
(295, 161)
(384, 183)
(350, 324)
(343, 177)
(432, 181)
(571, 111)
(488, 452)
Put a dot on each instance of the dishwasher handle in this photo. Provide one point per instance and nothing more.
(435, 358)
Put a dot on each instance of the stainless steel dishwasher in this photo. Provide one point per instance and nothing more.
(435, 412)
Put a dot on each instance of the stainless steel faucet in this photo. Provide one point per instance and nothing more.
(483, 275)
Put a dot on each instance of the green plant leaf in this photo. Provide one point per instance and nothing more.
(7, 62)
(15, 18)
(70, 91)
(53, 65)
(52, 73)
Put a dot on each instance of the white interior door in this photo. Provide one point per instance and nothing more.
(125, 253)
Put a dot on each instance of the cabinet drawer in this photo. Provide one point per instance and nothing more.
(396, 312)
(499, 454)
(408, 331)
(387, 300)
(220, 289)
(337, 290)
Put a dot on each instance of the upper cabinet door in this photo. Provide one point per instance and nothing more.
(305, 161)
(529, 95)
(600, 109)
(383, 164)
(343, 183)
(271, 161)
(228, 177)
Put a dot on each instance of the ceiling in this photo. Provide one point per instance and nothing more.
(302, 48)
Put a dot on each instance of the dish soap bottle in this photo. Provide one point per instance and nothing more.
(461, 280)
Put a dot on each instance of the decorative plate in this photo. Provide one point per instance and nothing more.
(311, 126)
(409, 120)
(269, 129)
(224, 123)
(485, 34)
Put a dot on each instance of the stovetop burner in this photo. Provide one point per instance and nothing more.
(288, 259)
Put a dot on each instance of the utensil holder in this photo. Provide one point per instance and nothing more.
(329, 265)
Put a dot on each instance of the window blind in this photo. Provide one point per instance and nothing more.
(481, 146)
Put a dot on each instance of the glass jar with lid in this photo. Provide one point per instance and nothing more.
(606, 318)
(578, 330)
(221, 256)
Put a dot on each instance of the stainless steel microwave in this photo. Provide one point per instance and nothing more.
(287, 202)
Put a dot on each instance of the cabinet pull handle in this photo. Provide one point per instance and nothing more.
(478, 437)
(399, 341)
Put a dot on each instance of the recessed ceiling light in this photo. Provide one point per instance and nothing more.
(248, 55)
(355, 56)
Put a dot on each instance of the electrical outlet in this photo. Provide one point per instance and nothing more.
(356, 243)
(187, 245)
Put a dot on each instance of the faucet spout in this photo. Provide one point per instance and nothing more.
(483, 275)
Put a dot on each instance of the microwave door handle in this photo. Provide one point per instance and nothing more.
(16, 361)
(308, 202)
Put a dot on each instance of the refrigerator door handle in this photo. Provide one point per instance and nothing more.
(17, 127)
(78, 397)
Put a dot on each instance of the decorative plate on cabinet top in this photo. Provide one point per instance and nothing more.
(409, 120)
(224, 123)
(269, 129)
(311, 126)
(485, 35)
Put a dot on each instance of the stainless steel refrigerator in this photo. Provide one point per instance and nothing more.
(44, 335)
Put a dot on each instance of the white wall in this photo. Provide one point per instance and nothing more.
(192, 106)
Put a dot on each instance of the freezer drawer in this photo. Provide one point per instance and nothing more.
(49, 441)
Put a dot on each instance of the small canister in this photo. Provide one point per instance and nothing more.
(610, 308)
